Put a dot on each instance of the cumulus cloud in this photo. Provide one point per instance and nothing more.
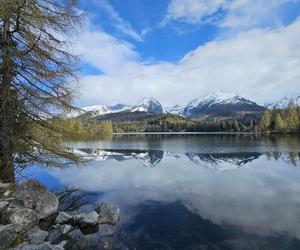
(226, 13)
(261, 64)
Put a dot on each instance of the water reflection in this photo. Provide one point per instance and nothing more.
(149, 158)
(217, 161)
(196, 192)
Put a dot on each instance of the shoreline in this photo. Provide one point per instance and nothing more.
(200, 133)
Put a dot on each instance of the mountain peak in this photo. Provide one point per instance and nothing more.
(148, 104)
(218, 102)
(148, 100)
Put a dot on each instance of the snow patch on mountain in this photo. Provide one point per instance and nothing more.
(94, 110)
(176, 110)
(119, 107)
(148, 104)
(285, 102)
(215, 98)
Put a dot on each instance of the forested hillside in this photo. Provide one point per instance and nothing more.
(281, 120)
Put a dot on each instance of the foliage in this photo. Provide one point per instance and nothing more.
(78, 129)
(174, 123)
(35, 74)
(281, 121)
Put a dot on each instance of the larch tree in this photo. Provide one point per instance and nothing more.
(266, 121)
(35, 74)
(280, 124)
(292, 117)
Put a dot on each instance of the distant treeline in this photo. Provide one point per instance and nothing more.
(281, 121)
(174, 123)
(272, 121)
(86, 129)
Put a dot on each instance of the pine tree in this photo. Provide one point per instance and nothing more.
(35, 73)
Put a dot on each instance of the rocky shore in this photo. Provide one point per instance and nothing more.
(30, 220)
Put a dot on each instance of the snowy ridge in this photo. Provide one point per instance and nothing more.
(94, 110)
(216, 98)
(119, 107)
(205, 104)
(148, 104)
(285, 102)
(176, 110)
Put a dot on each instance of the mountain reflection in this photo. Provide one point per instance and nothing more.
(149, 158)
(217, 161)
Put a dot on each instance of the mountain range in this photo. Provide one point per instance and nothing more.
(217, 104)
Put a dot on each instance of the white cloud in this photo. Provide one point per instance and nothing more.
(192, 11)
(235, 13)
(261, 64)
(121, 25)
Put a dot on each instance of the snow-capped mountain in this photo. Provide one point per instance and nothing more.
(211, 105)
(148, 104)
(119, 107)
(176, 110)
(220, 104)
(285, 102)
(93, 111)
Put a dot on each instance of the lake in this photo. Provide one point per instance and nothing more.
(189, 191)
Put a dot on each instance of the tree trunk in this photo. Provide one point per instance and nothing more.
(7, 111)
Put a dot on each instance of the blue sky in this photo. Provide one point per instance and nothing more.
(177, 50)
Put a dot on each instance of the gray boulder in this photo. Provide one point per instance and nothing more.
(43, 246)
(86, 219)
(108, 213)
(36, 236)
(24, 218)
(35, 195)
(8, 235)
(63, 218)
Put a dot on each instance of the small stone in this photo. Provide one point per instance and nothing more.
(64, 229)
(4, 185)
(108, 214)
(86, 219)
(36, 235)
(63, 218)
(3, 205)
(54, 236)
(8, 235)
(7, 193)
(63, 244)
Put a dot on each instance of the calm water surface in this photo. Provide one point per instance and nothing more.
(191, 191)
